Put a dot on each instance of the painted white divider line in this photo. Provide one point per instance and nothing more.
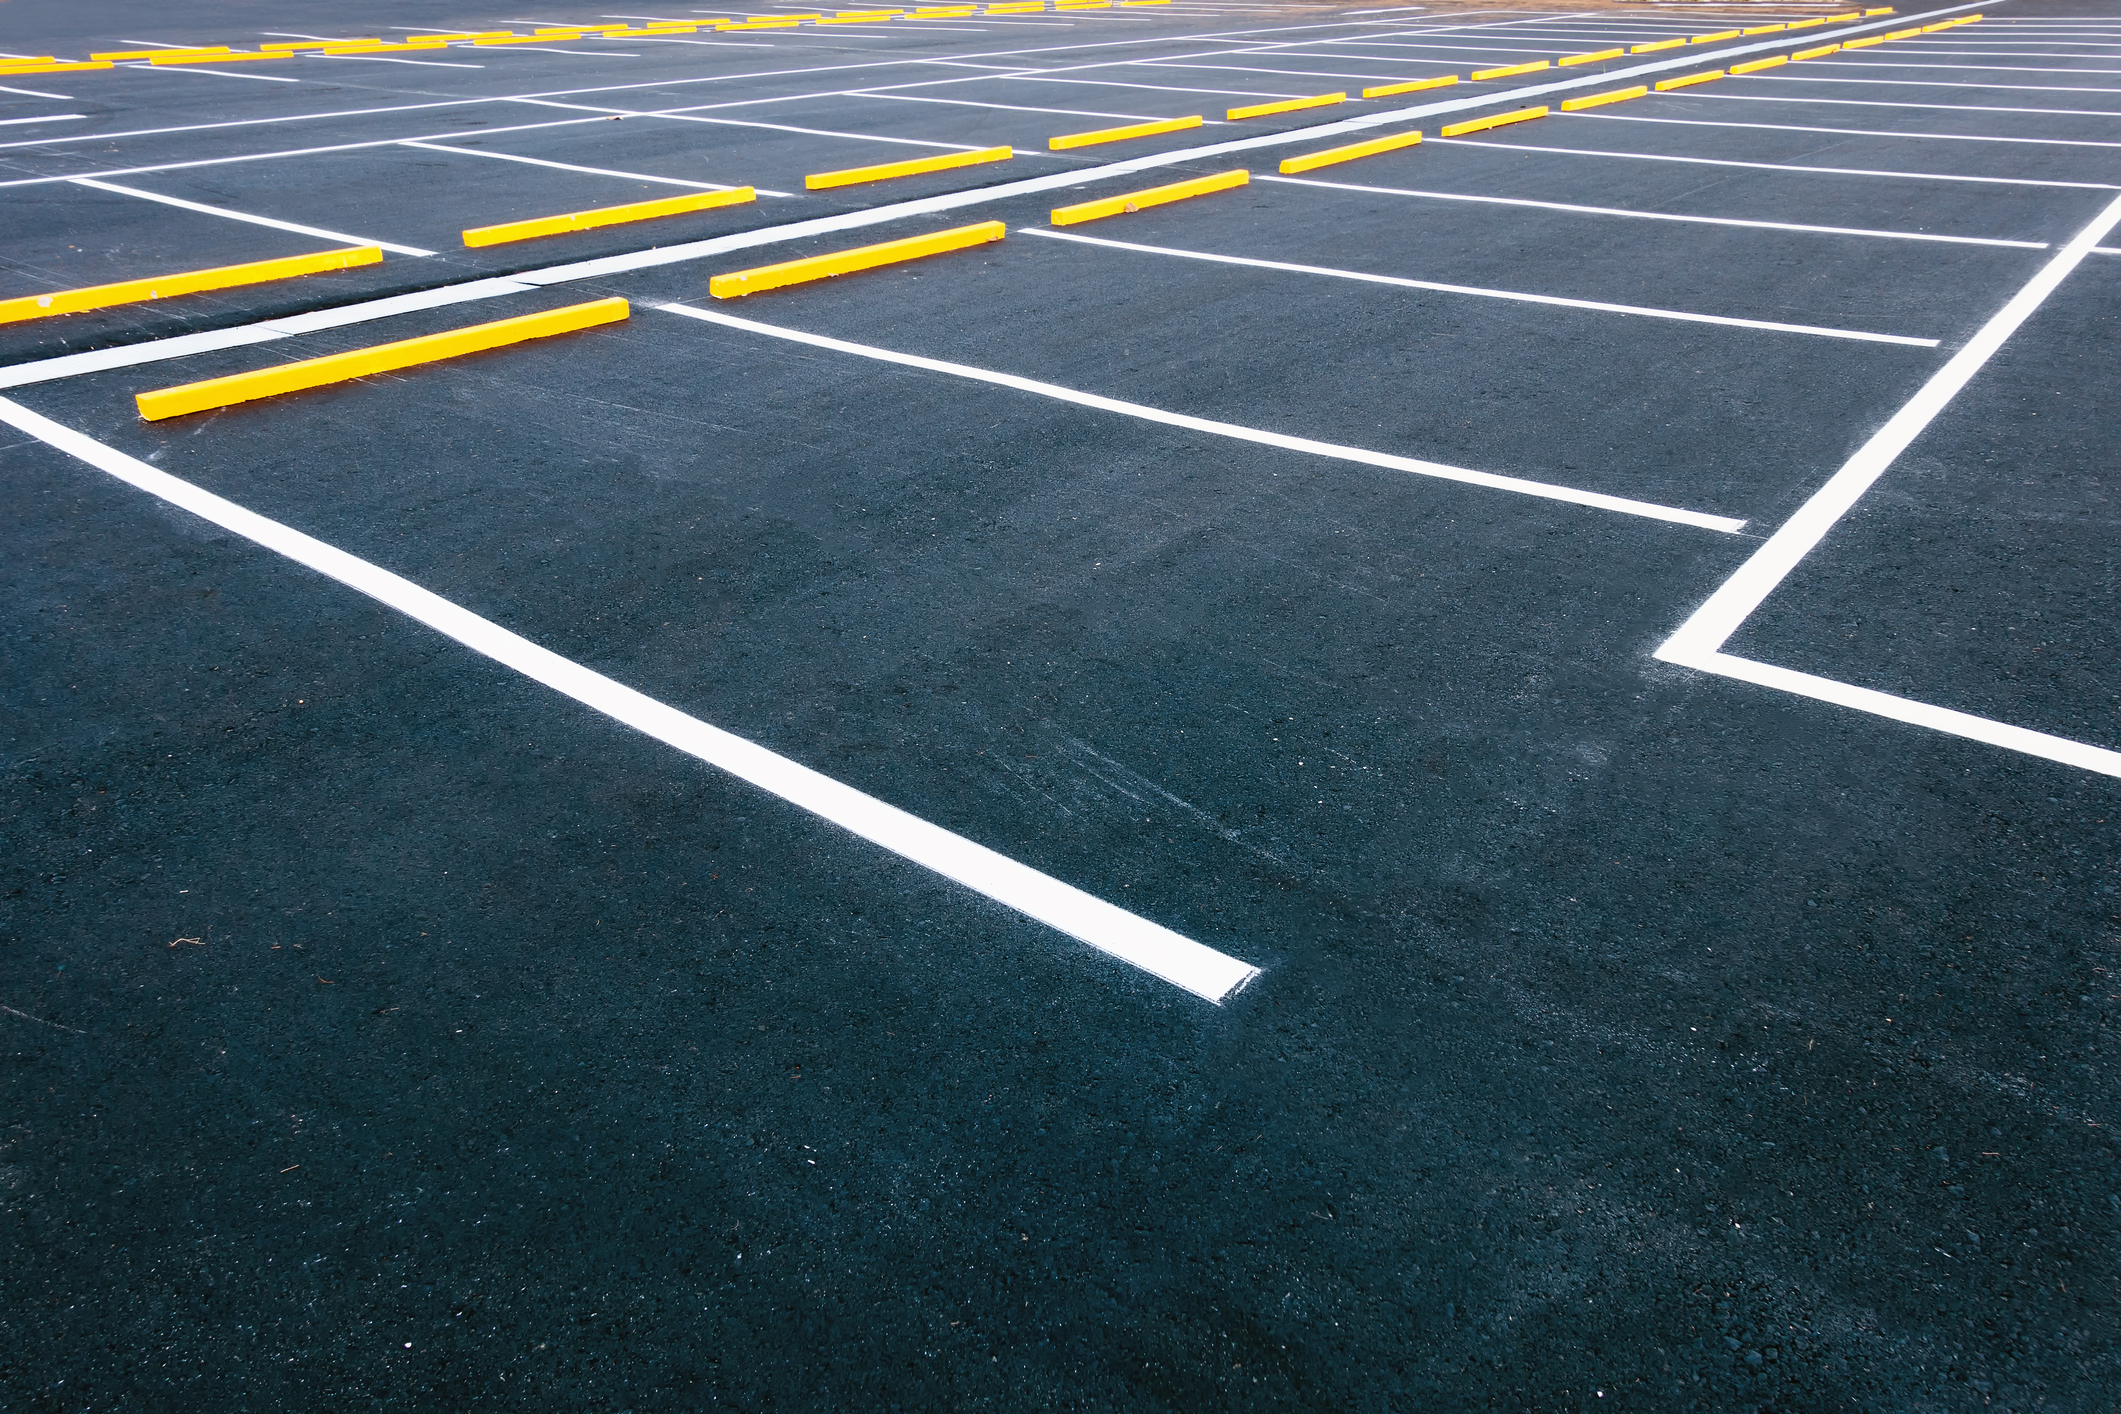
(570, 167)
(1699, 641)
(1891, 103)
(223, 211)
(1842, 132)
(205, 73)
(1557, 300)
(47, 118)
(1153, 948)
(1098, 401)
(1944, 83)
(1774, 166)
(1657, 215)
(46, 370)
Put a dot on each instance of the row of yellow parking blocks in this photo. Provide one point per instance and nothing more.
(291, 49)
(334, 368)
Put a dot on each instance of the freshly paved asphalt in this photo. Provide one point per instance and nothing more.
(1627, 1038)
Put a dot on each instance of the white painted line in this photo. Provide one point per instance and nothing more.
(1199, 969)
(1699, 641)
(47, 118)
(1305, 445)
(676, 117)
(1599, 306)
(245, 216)
(1892, 103)
(382, 59)
(1915, 714)
(1657, 215)
(1936, 83)
(47, 370)
(37, 93)
(2049, 70)
(202, 73)
(1149, 87)
(968, 103)
(1841, 132)
(570, 167)
(293, 152)
(1775, 166)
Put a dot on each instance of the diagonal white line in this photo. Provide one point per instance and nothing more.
(1439, 470)
(1699, 641)
(1153, 948)
(245, 216)
(1561, 301)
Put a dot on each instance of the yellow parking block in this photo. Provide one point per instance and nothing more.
(1881, 10)
(244, 58)
(1478, 125)
(944, 12)
(1289, 105)
(885, 171)
(1808, 24)
(605, 216)
(1390, 89)
(1758, 64)
(1131, 4)
(847, 262)
(189, 282)
(1034, 9)
(1851, 15)
(1901, 34)
(52, 68)
(1148, 197)
(1082, 4)
(318, 43)
(1864, 43)
(121, 55)
(530, 39)
(1656, 45)
(1102, 135)
(1599, 100)
(1718, 37)
(383, 358)
(1821, 52)
(1598, 58)
(1667, 85)
(1764, 29)
(1510, 70)
(1333, 156)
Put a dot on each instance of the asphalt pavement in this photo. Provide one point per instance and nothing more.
(1600, 628)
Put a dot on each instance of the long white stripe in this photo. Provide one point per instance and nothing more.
(317, 231)
(1659, 215)
(1438, 470)
(571, 167)
(1599, 306)
(1916, 714)
(1772, 166)
(1153, 948)
(1908, 103)
(47, 118)
(1699, 641)
(1842, 132)
(184, 345)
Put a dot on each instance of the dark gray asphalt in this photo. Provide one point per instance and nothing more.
(385, 1030)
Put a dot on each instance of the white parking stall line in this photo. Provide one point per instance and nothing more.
(1622, 211)
(1199, 969)
(571, 167)
(1517, 296)
(1844, 132)
(1305, 445)
(1698, 643)
(1771, 166)
(244, 216)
